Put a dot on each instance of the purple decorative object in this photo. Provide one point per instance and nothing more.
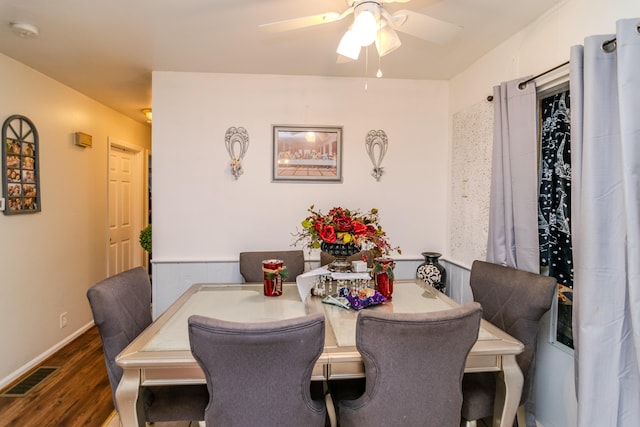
(358, 302)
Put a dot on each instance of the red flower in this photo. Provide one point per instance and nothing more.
(328, 234)
(336, 212)
(344, 226)
(358, 227)
(343, 223)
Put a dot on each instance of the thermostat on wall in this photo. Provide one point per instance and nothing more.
(82, 139)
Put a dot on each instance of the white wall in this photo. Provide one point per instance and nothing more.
(49, 259)
(542, 45)
(201, 213)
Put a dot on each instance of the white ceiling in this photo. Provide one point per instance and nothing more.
(107, 49)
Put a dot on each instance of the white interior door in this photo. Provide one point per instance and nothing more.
(125, 208)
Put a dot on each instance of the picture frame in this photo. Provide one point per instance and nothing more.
(307, 153)
(20, 166)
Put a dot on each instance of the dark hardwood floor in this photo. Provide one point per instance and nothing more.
(76, 394)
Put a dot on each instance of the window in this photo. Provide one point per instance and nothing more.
(554, 201)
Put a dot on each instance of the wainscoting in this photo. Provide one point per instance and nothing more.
(458, 287)
(172, 277)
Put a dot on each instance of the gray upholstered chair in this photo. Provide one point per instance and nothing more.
(259, 374)
(121, 307)
(251, 263)
(514, 301)
(414, 363)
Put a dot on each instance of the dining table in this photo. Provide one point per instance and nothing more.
(161, 354)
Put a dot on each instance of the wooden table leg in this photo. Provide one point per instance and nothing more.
(508, 392)
(129, 409)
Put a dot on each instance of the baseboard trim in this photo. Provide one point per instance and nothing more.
(17, 374)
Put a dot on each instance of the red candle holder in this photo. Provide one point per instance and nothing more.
(272, 269)
(383, 276)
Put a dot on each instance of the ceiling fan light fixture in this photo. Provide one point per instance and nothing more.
(387, 40)
(148, 114)
(349, 46)
(366, 22)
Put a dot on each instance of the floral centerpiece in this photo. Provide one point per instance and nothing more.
(343, 232)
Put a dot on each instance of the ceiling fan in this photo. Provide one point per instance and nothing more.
(374, 24)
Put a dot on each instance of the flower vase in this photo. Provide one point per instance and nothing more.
(383, 276)
(273, 270)
(341, 252)
(432, 272)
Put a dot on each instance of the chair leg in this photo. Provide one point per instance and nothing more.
(467, 423)
(331, 410)
(521, 416)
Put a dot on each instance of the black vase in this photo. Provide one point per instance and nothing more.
(432, 272)
(341, 252)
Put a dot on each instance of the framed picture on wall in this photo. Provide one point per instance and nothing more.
(307, 153)
(20, 166)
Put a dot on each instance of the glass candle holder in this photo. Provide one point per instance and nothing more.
(271, 269)
(383, 275)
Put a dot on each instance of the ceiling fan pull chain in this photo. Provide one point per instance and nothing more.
(366, 68)
(379, 73)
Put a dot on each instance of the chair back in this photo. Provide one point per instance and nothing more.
(259, 373)
(414, 363)
(121, 307)
(251, 263)
(514, 301)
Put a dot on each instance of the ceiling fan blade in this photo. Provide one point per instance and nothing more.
(424, 27)
(304, 22)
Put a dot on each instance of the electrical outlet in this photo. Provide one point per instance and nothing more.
(63, 320)
(1, 203)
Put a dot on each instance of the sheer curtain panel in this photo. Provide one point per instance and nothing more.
(605, 90)
(513, 213)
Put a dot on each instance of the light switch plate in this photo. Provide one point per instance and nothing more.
(1, 203)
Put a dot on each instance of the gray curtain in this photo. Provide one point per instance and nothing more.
(513, 212)
(605, 120)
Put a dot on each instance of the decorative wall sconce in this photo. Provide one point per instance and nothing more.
(376, 144)
(83, 139)
(236, 139)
